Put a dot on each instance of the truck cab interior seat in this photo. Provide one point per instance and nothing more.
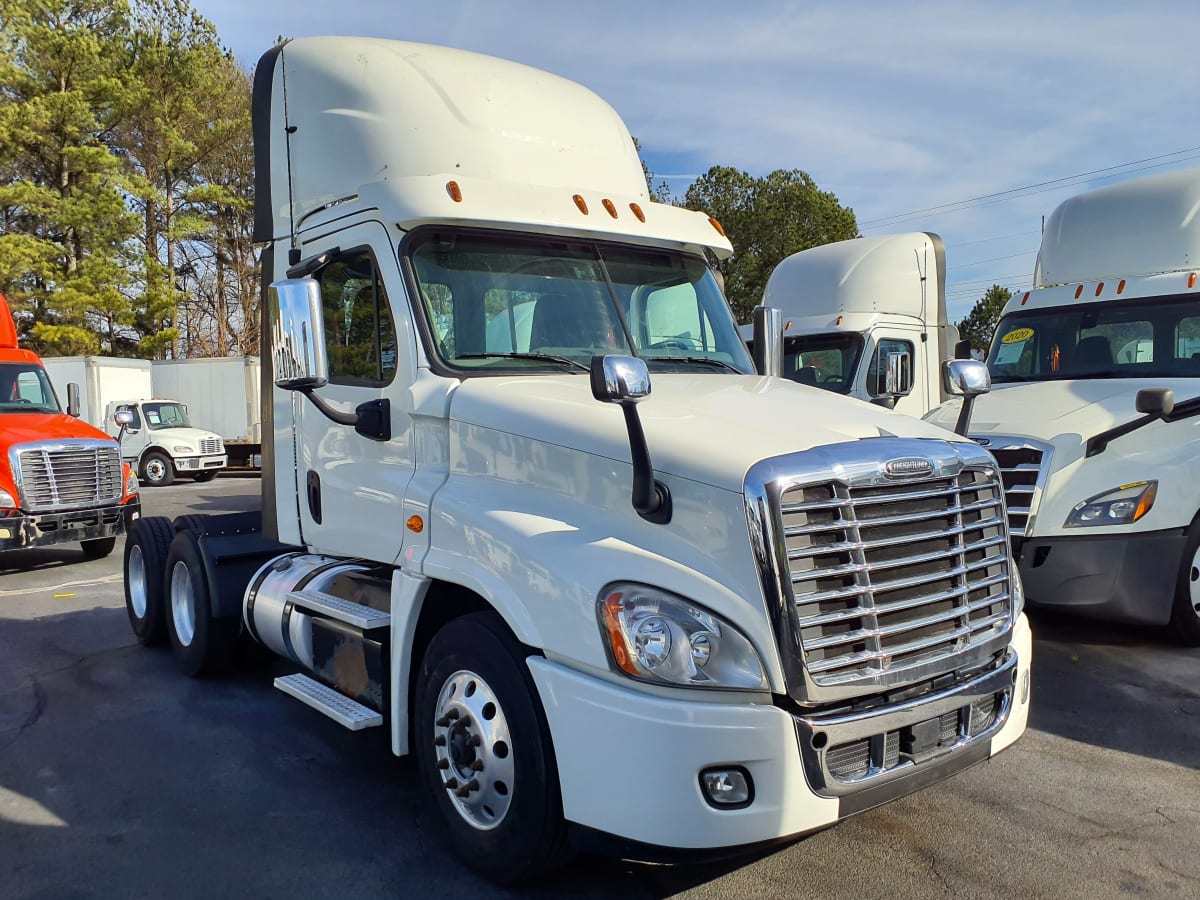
(1093, 352)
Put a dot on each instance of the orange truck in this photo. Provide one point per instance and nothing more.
(61, 480)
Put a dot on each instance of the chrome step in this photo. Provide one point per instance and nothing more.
(343, 610)
(346, 712)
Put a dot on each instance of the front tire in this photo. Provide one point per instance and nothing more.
(99, 548)
(1185, 615)
(156, 469)
(203, 645)
(484, 751)
(146, 547)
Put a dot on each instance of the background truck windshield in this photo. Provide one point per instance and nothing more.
(24, 387)
(822, 360)
(165, 415)
(507, 302)
(1157, 337)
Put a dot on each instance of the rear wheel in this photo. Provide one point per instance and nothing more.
(203, 645)
(157, 470)
(145, 561)
(1185, 616)
(484, 751)
(99, 548)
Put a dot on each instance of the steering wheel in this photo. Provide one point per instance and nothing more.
(834, 381)
(671, 344)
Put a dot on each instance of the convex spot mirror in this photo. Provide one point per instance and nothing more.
(297, 334)
(966, 377)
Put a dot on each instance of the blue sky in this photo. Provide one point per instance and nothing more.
(894, 107)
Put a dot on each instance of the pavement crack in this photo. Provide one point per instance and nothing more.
(39, 707)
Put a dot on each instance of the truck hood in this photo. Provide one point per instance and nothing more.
(191, 436)
(21, 428)
(709, 428)
(1064, 413)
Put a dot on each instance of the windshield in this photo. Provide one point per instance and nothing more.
(822, 360)
(24, 387)
(165, 415)
(1155, 337)
(499, 303)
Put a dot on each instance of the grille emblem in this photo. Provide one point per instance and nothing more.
(908, 467)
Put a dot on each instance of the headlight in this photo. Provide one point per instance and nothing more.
(131, 485)
(661, 638)
(6, 500)
(1018, 592)
(1120, 506)
(191, 451)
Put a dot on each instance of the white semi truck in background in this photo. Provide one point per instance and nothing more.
(1095, 420)
(867, 318)
(160, 442)
(725, 612)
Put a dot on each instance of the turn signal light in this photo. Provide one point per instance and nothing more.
(415, 524)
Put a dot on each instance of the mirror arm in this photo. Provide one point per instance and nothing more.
(964, 416)
(371, 419)
(651, 498)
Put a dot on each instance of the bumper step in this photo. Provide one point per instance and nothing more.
(343, 710)
(355, 614)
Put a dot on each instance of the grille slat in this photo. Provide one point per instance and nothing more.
(875, 589)
(1021, 469)
(54, 476)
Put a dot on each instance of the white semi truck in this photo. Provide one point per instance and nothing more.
(867, 318)
(1095, 420)
(734, 612)
(160, 442)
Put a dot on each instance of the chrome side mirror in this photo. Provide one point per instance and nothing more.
(297, 334)
(895, 374)
(619, 379)
(73, 400)
(966, 377)
(123, 417)
(767, 344)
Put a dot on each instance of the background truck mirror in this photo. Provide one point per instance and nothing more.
(297, 334)
(73, 400)
(1155, 401)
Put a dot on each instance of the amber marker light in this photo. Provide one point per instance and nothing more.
(1099, 288)
(1079, 292)
(415, 524)
(1192, 280)
(1121, 286)
(581, 203)
(454, 191)
(1025, 299)
(717, 225)
(612, 610)
(637, 212)
(1145, 502)
(610, 206)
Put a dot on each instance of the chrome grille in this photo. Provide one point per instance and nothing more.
(895, 576)
(209, 446)
(55, 475)
(1023, 466)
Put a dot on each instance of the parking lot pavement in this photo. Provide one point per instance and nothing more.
(120, 777)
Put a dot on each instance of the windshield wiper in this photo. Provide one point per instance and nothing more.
(544, 357)
(703, 360)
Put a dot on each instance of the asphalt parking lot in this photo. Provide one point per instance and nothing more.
(120, 777)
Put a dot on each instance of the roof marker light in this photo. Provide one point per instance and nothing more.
(839, 321)
(1078, 292)
(637, 211)
(1099, 288)
(1192, 280)
(1121, 286)
(610, 206)
(581, 203)
(1025, 299)
(454, 191)
(717, 225)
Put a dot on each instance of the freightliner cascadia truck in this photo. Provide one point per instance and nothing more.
(61, 480)
(726, 611)
(1095, 421)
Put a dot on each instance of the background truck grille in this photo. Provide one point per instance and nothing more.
(894, 577)
(68, 475)
(1021, 469)
(210, 445)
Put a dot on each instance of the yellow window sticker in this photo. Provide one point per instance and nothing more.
(1018, 336)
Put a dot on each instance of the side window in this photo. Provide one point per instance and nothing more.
(877, 373)
(360, 338)
(1187, 338)
(29, 388)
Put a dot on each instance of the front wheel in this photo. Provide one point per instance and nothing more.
(1185, 615)
(484, 751)
(157, 470)
(99, 547)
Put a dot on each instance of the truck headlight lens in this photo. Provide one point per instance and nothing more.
(183, 449)
(6, 500)
(1018, 591)
(131, 484)
(1120, 506)
(659, 637)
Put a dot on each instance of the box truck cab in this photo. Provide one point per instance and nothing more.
(1103, 477)
(61, 480)
(161, 442)
(867, 318)
(527, 505)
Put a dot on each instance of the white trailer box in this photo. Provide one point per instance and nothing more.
(221, 394)
(102, 380)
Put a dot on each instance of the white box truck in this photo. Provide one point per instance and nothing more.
(221, 392)
(724, 612)
(1101, 469)
(867, 318)
(161, 443)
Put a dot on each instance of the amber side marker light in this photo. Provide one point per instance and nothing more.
(610, 206)
(637, 212)
(1192, 280)
(1078, 292)
(454, 191)
(415, 524)
(717, 225)
(581, 203)
(1145, 503)
(1121, 286)
(612, 610)
(1099, 288)
(1025, 299)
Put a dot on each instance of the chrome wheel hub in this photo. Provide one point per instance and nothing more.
(136, 578)
(155, 470)
(183, 604)
(1194, 581)
(473, 750)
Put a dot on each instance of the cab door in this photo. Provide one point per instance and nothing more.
(351, 487)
